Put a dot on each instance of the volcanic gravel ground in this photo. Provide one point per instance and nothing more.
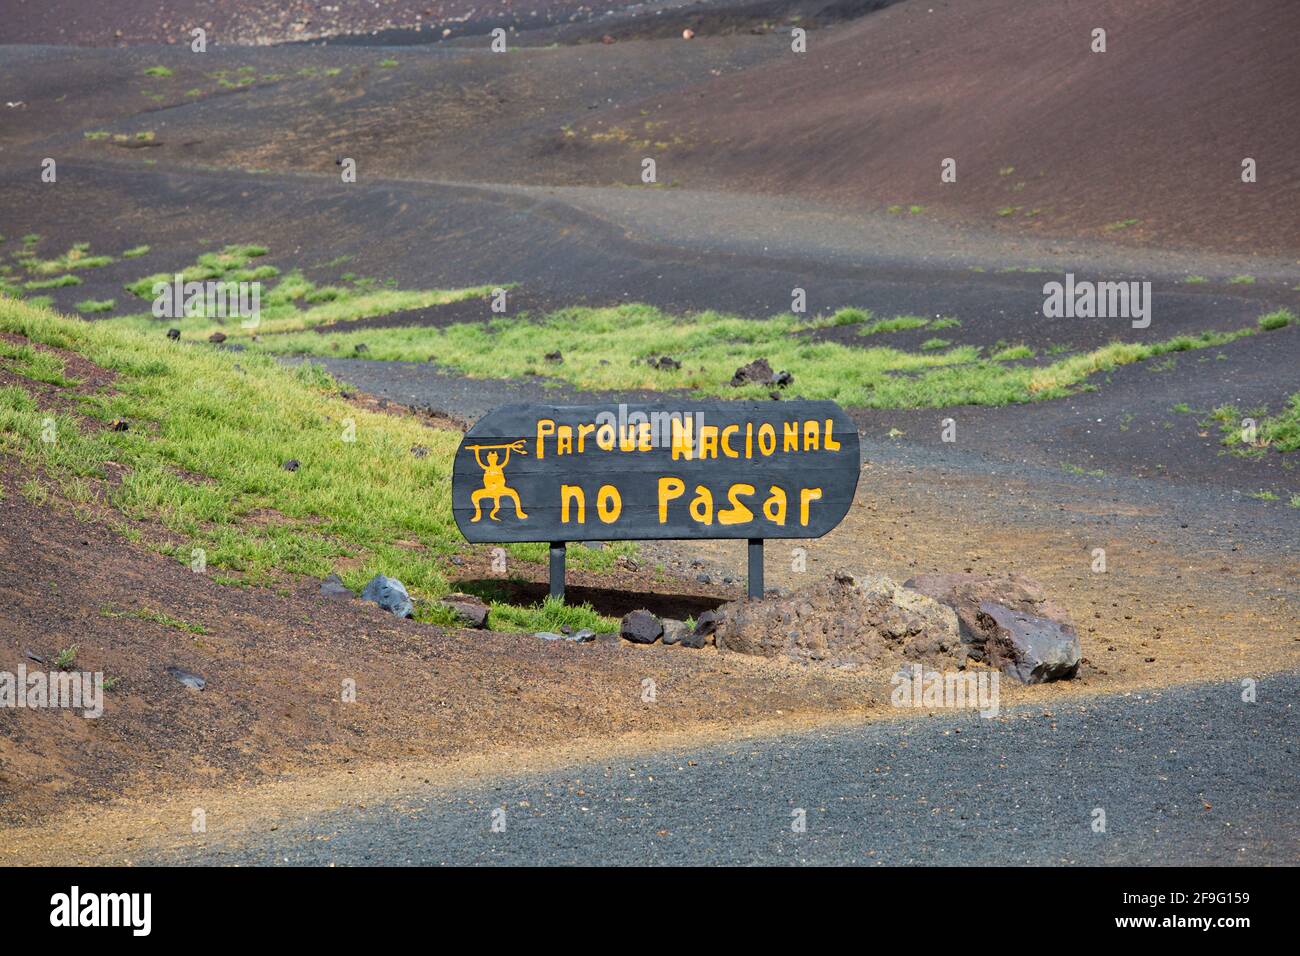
(1185, 776)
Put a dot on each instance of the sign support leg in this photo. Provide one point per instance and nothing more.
(557, 570)
(756, 568)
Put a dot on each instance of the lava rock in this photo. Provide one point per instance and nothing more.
(782, 379)
(119, 424)
(293, 464)
(555, 358)
(1032, 649)
(216, 338)
(390, 594)
(469, 610)
(641, 627)
(192, 681)
(664, 363)
(1021, 632)
(360, 348)
(844, 620)
(675, 631)
(174, 334)
(757, 372)
(583, 636)
(333, 588)
(419, 451)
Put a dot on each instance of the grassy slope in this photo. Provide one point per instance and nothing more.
(202, 463)
(607, 349)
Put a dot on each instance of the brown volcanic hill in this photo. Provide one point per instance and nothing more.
(1056, 137)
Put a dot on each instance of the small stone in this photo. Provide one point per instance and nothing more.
(216, 338)
(757, 372)
(192, 681)
(706, 625)
(173, 334)
(555, 358)
(361, 348)
(674, 631)
(688, 34)
(640, 627)
(419, 451)
(293, 464)
(333, 588)
(119, 425)
(390, 594)
(469, 610)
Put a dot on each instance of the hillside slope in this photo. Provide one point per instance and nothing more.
(1047, 135)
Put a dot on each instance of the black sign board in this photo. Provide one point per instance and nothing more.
(562, 473)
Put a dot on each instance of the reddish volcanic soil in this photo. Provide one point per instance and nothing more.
(1154, 129)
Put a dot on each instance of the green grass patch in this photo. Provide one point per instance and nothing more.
(1195, 280)
(551, 615)
(292, 304)
(205, 452)
(56, 283)
(1242, 280)
(158, 71)
(1276, 320)
(155, 617)
(1012, 353)
(135, 252)
(900, 323)
(78, 257)
(1280, 431)
(608, 348)
(96, 305)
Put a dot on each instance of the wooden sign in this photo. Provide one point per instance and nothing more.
(560, 473)
(598, 472)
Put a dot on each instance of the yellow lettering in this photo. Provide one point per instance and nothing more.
(726, 443)
(608, 514)
(806, 497)
(583, 432)
(683, 441)
(669, 488)
(811, 436)
(564, 440)
(766, 439)
(774, 506)
(831, 443)
(737, 513)
(605, 437)
(702, 503)
(708, 441)
(572, 493)
(790, 431)
(544, 427)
